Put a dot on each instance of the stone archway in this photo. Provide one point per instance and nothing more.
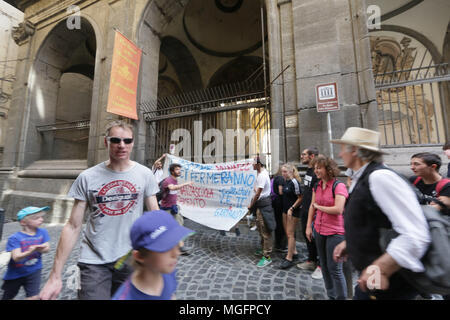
(155, 18)
(184, 63)
(64, 63)
(184, 67)
(236, 70)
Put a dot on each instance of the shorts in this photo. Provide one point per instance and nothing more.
(177, 216)
(31, 283)
(100, 281)
(295, 213)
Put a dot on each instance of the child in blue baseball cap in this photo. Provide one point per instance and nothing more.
(155, 238)
(26, 247)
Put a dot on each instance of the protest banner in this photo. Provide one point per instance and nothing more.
(220, 194)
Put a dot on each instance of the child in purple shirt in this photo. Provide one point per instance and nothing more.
(155, 239)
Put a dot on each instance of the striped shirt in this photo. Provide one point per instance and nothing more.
(291, 191)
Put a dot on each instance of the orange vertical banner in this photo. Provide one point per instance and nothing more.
(124, 77)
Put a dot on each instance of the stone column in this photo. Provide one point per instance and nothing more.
(363, 70)
(276, 88)
(332, 45)
(289, 81)
(148, 37)
(120, 16)
(22, 35)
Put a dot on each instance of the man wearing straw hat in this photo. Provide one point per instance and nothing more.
(379, 198)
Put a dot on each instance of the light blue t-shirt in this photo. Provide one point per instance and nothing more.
(27, 265)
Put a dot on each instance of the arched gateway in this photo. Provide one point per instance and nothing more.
(212, 77)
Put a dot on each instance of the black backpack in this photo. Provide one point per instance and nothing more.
(160, 194)
(335, 183)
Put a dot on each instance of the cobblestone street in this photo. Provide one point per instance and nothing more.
(220, 267)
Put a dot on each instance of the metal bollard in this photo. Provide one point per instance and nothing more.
(2, 221)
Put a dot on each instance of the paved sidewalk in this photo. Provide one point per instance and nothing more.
(219, 267)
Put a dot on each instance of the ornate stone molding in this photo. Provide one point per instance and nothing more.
(22, 32)
(23, 4)
(42, 13)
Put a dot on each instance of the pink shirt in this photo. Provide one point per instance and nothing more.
(328, 224)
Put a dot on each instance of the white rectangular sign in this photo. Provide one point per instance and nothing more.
(327, 97)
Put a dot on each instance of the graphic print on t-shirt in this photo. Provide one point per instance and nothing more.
(23, 242)
(33, 258)
(115, 198)
(307, 181)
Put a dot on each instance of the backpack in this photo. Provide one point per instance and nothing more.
(273, 195)
(440, 185)
(160, 194)
(335, 183)
(436, 277)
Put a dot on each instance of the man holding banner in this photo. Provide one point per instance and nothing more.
(169, 190)
(265, 217)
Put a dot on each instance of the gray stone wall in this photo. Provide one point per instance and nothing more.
(331, 45)
(10, 17)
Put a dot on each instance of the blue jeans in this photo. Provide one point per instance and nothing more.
(333, 274)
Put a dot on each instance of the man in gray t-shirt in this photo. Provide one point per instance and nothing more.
(115, 200)
(113, 194)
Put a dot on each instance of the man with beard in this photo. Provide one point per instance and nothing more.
(309, 181)
(170, 189)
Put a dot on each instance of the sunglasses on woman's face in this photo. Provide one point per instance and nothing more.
(116, 140)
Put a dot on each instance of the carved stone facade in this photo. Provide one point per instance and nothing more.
(411, 113)
(22, 32)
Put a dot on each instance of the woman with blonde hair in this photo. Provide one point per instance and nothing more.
(326, 212)
(292, 197)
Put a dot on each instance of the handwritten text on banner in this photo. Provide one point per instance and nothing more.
(220, 194)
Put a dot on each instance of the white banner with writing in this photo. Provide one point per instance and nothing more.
(220, 194)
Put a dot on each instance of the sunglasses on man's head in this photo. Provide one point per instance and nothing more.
(119, 140)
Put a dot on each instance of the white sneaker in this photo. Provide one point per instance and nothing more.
(307, 265)
(317, 274)
(253, 228)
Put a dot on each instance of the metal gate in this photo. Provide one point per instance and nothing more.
(412, 105)
(233, 110)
